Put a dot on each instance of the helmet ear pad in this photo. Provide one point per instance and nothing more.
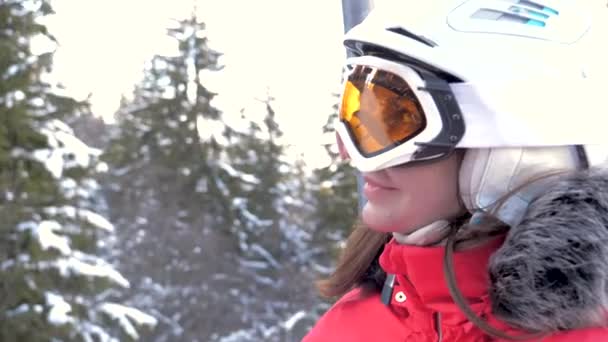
(510, 177)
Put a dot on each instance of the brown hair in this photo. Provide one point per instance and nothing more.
(358, 264)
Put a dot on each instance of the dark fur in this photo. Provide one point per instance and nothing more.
(552, 272)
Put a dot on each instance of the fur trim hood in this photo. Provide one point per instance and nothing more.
(552, 271)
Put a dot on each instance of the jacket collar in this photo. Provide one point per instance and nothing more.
(421, 269)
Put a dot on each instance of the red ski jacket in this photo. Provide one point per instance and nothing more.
(421, 308)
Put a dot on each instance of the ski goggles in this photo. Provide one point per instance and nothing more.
(392, 114)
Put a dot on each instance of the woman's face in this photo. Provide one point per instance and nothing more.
(405, 198)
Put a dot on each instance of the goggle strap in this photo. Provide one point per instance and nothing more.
(451, 116)
(434, 86)
(433, 144)
(582, 156)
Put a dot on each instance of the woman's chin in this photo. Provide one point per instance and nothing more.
(380, 220)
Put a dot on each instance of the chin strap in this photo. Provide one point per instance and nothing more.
(448, 268)
(428, 235)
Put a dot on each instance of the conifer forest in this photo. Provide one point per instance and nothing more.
(174, 221)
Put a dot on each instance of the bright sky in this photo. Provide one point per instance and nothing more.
(293, 48)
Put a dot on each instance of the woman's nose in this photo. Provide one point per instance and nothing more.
(341, 148)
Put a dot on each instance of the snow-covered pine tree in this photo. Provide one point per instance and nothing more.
(53, 283)
(273, 287)
(335, 191)
(168, 192)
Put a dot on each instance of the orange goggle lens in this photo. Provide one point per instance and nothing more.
(380, 110)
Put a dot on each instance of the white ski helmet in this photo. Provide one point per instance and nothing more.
(519, 84)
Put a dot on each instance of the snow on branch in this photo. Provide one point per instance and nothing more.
(59, 309)
(295, 318)
(24, 308)
(256, 221)
(222, 187)
(94, 333)
(19, 259)
(44, 232)
(247, 178)
(239, 335)
(254, 264)
(266, 255)
(126, 316)
(99, 269)
(210, 129)
(78, 264)
(241, 204)
(65, 149)
(77, 213)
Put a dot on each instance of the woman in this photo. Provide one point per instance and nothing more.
(487, 207)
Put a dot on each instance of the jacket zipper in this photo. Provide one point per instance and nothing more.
(438, 326)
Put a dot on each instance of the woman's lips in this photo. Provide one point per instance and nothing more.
(375, 190)
(376, 183)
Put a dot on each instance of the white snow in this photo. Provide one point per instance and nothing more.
(69, 187)
(241, 204)
(97, 220)
(20, 259)
(11, 71)
(239, 335)
(102, 167)
(59, 309)
(254, 219)
(78, 264)
(321, 268)
(44, 232)
(89, 216)
(211, 129)
(65, 150)
(72, 265)
(239, 201)
(68, 211)
(222, 187)
(164, 141)
(265, 254)
(19, 95)
(141, 220)
(125, 315)
(288, 324)
(23, 308)
(238, 174)
(48, 239)
(202, 185)
(327, 184)
(94, 333)
(260, 265)
(53, 161)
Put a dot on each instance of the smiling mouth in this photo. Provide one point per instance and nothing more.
(373, 184)
(376, 192)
